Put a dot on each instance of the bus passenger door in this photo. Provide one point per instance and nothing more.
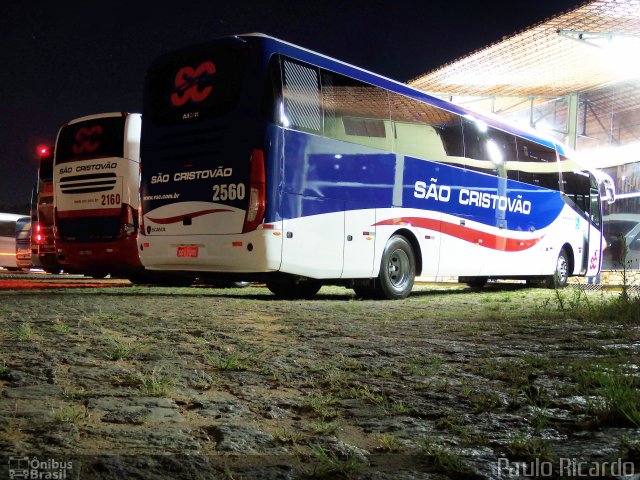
(594, 238)
(359, 241)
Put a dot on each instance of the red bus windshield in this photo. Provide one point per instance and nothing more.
(98, 138)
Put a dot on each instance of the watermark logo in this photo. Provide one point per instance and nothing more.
(34, 468)
(565, 467)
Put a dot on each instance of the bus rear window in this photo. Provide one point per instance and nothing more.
(23, 228)
(98, 138)
(203, 83)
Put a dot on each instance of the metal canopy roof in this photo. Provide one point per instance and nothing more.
(564, 54)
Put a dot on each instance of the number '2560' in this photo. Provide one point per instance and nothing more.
(231, 191)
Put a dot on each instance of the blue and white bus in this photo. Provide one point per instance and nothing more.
(268, 161)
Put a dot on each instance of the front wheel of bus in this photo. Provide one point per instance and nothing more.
(560, 277)
(292, 291)
(397, 270)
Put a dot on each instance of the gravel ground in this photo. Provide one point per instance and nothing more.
(135, 382)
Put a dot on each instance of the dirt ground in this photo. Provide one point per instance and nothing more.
(136, 382)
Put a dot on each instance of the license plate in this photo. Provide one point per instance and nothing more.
(187, 251)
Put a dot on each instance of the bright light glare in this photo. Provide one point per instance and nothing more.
(620, 53)
(495, 154)
(480, 125)
(605, 157)
(283, 118)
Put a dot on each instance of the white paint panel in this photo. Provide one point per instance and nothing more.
(215, 218)
(359, 251)
(313, 245)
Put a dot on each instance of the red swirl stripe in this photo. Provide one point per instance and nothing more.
(471, 235)
(180, 218)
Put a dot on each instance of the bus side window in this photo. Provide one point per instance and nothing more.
(537, 165)
(425, 131)
(301, 92)
(487, 149)
(272, 98)
(355, 111)
(7, 229)
(576, 187)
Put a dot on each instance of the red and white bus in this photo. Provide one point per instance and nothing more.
(96, 178)
(43, 251)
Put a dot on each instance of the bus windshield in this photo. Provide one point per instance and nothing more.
(99, 138)
(204, 83)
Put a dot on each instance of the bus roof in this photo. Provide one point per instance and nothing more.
(14, 217)
(280, 46)
(273, 45)
(98, 115)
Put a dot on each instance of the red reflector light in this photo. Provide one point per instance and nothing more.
(236, 244)
(268, 226)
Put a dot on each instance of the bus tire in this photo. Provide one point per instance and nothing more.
(293, 291)
(560, 276)
(397, 269)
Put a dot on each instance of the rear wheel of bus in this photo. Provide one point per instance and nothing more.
(397, 270)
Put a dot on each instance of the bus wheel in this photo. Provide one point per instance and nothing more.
(397, 270)
(560, 277)
(291, 291)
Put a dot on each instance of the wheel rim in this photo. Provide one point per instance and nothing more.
(398, 269)
(562, 269)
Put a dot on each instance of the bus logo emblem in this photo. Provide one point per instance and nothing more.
(190, 84)
(85, 140)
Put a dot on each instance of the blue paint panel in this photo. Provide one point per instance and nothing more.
(325, 168)
(317, 168)
(527, 208)
(296, 206)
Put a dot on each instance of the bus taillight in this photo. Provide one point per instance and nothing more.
(127, 221)
(257, 192)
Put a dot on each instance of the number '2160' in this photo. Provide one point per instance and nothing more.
(111, 199)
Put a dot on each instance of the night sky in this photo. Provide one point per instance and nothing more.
(61, 60)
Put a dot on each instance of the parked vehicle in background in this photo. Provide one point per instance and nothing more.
(8, 235)
(265, 160)
(23, 243)
(622, 233)
(96, 179)
(43, 250)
